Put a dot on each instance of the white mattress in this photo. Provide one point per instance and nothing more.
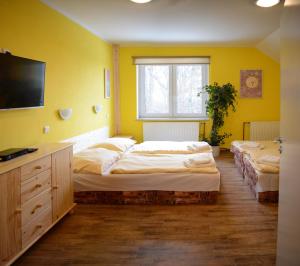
(144, 182)
(266, 181)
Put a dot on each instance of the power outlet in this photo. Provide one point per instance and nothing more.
(46, 129)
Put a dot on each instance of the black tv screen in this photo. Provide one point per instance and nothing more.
(21, 82)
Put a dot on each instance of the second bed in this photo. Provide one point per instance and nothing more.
(258, 162)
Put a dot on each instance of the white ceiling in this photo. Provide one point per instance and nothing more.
(214, 22)
(271, 45)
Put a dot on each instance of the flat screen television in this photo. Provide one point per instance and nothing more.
(22, 82)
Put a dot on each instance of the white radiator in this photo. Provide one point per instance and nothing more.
(173, 131)
(264, 130)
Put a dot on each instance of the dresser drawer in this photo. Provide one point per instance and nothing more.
(35, 185)
(36, 167)
(37, 227)
(34, 207)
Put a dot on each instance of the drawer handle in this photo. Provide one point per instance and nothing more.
(18, 210)
(38, 185)
(38, 167)
(39, 226)
(55, 187)
(35, 208)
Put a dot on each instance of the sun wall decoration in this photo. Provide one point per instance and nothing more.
(251, 84)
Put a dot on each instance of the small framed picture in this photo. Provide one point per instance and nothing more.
(106, 83)
(251, 84)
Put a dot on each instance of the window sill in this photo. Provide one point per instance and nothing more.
(173, 119)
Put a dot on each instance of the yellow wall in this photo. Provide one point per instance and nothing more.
(74, 73)
(226, 63)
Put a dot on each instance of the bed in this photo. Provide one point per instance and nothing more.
(263, 179)
(241, 147)
(149, 179)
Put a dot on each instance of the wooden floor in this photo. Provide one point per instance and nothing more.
(235, 231)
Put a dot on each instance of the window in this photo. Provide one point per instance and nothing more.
(171, 91)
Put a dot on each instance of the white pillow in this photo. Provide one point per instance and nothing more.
(94, 160)
(116, 144)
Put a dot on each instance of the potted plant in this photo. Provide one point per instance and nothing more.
(220, 100)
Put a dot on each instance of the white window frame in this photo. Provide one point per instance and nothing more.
(172, 115)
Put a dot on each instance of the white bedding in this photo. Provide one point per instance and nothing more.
(266, 181)
(116, 144)
(256, 157)
(171, 147)
(161, 163)
(245, 146)
(94, 160)
(260, 154)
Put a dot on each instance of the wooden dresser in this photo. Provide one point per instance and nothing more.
(36, 191)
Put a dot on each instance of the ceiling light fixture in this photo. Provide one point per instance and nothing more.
(141, 1)
(267, 3)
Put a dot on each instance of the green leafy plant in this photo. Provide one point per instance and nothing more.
(220, 100)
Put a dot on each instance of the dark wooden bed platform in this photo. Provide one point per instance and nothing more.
(146, 197)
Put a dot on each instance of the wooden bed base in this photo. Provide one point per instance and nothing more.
(146, 197)
(268, 196)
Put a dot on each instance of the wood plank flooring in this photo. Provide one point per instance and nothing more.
(236, 231)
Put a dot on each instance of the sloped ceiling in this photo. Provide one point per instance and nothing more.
(213, 22)
(271, 45)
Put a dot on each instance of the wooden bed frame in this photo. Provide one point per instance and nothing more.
(146, 197)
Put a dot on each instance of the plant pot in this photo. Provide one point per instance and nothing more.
(216, 151)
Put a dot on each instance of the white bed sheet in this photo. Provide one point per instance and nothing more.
(144, 182)
(132, 163)
(266, 144)
(266, 181)
(170, 147)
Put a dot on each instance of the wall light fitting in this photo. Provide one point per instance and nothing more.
(65, 113)
(97, 108)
